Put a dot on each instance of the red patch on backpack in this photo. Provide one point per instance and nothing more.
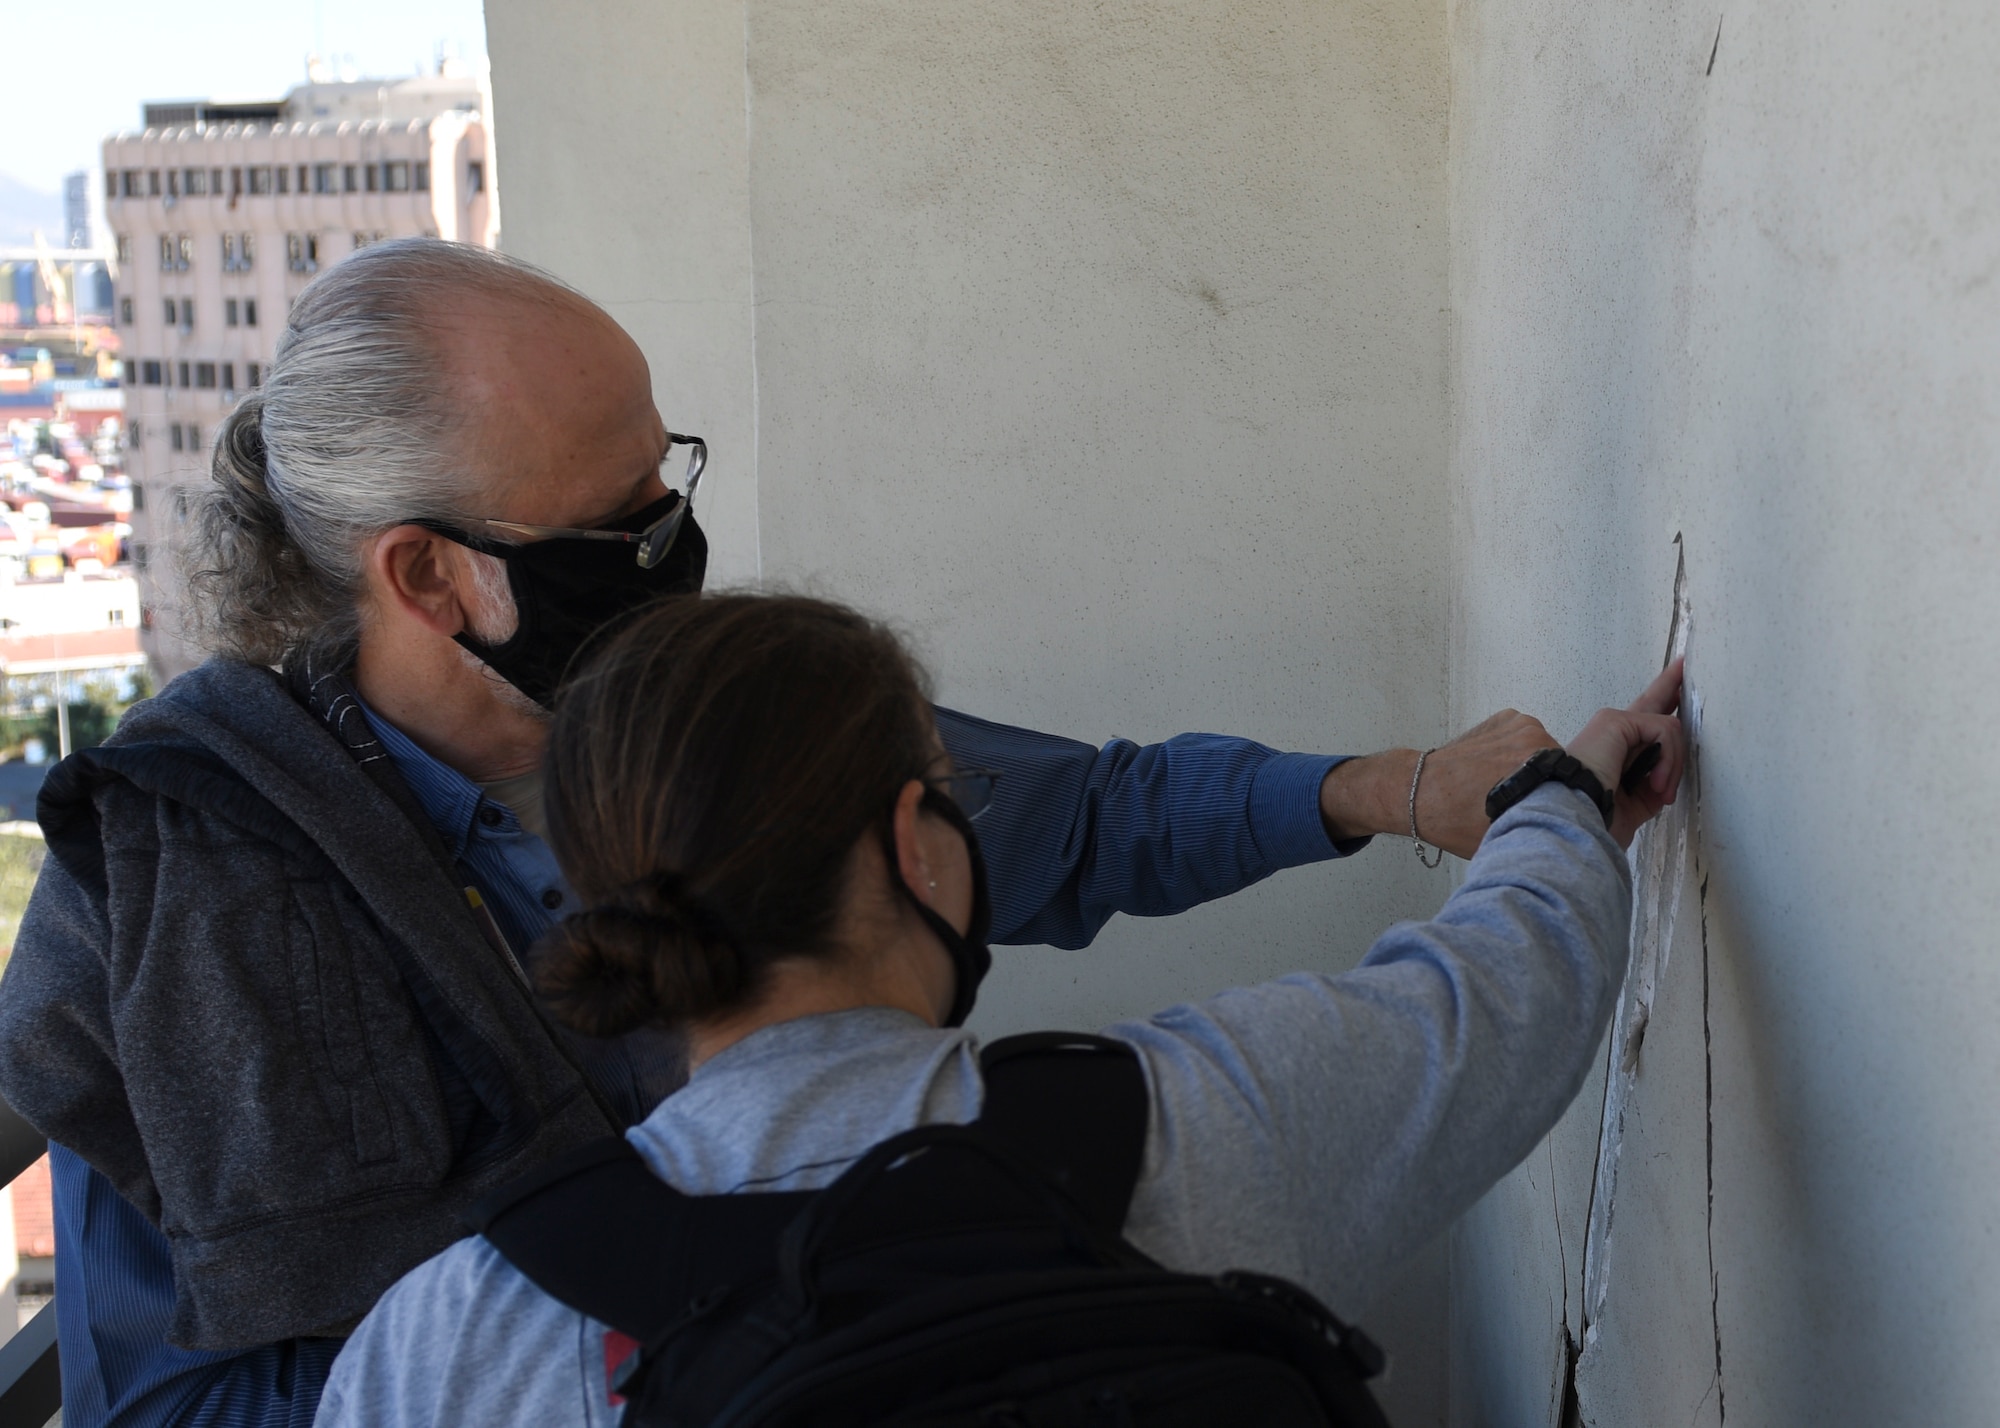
(617, 1348)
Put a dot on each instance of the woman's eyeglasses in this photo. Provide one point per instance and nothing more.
(970, 789)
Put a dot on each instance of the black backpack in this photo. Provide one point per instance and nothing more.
(954, 1275)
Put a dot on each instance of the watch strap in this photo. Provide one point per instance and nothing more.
(1549, 766)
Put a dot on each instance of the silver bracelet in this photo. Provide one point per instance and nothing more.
(1416, 840)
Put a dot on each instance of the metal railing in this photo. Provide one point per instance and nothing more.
(30, 1371)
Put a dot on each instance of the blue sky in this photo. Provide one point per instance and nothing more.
(80, 71)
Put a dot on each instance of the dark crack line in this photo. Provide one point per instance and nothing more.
(1708, 1078)
(1562, 1252)
(1714, 48)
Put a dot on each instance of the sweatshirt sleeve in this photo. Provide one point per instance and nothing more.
(1075, 833)
(1324, 1127)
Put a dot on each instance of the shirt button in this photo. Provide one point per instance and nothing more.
(489, 815)
(552, 899)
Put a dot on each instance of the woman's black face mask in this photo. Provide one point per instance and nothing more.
(971, 958)
(570, 593)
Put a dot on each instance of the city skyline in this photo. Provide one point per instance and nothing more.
(160, 55)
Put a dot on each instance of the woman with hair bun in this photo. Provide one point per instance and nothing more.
(775, 857)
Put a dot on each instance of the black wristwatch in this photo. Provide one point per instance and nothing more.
(1549, 766)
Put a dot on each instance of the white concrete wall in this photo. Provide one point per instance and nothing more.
(1103, 349)
(1108, 350)
(1755, 305)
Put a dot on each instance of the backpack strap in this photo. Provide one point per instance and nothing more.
(1078, 1107)
(597, 1230)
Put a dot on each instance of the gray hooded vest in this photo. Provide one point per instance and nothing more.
(249, 991)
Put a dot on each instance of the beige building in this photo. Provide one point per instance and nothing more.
(221, 213)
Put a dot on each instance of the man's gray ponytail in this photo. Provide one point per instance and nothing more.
(355, 431)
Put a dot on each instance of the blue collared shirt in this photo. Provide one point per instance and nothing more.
(1074, 835)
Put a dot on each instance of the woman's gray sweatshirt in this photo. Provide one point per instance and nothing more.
(1315, 1127)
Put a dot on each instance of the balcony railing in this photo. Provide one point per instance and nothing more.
(30, 1372)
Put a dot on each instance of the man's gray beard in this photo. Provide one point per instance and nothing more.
(493, 620)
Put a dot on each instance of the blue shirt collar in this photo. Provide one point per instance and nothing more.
(450, 800)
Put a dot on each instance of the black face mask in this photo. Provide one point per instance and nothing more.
(971, 958)
(570, 593)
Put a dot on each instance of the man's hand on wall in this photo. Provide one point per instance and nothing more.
(1613, 738)
(1372, 794)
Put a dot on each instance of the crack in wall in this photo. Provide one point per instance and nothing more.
(1671, 846)
(1708, 1086)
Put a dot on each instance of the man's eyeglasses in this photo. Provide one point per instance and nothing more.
(970, 789)
(654, 541)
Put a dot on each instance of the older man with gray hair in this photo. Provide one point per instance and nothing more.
(270, 1002)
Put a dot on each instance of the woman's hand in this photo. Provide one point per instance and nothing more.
(1615, 737)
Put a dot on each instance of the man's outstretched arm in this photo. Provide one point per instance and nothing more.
(1076, 833)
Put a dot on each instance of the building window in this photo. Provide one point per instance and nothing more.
(132, 437)
(260, 180)
(114, 617)
(125, 311)
(131, 366)
(138, 494)
(215, 182)
(347, 179)
(167, 251)
(302, 178)
(420, 174)
(124, 247)
(181, 376)
(249, 312)
(194, 444)
(235, 182)
(228, 376)
(323, 178)
(204, 376)
(153, 183)
(173, 312)
(283, 175)
(173, 183)
(229, 255)
(372, 177)
(254, 375)
(174, 435)
(111, 183)
(151, 369)
(195, 182)
(129, 181)
(396, 178)
(246, 252)
(229, 312)
(138, 548)
(187, 314)
(302, 252)
(475, 177)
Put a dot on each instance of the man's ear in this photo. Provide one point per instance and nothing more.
(420, 574)
(912, 858)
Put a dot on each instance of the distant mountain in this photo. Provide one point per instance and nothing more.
(24, 209)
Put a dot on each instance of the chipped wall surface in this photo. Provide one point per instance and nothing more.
(1731, 274)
